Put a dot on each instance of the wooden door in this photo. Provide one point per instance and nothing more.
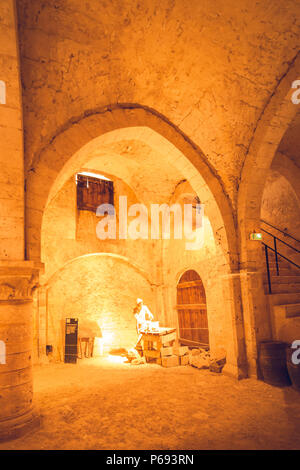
(192, 310)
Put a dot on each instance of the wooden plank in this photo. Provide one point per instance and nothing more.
(170, 361)
(184, 360)
(191, 306)
(189, 275)
(151, 353)
(166, 351)
(180, 350)
(152, 338)
(185, 284)
(194, 324)
(162, 331)
(195, 344)
(168, 338)
(147, 344)
(151, 360)
(165, 331)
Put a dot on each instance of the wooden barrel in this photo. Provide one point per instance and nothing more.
(272, 361)
(293, 369)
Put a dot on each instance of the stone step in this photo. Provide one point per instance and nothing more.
(283, 272)
(284, 298)
(291, 310)
(282, 262)
(285, 322)
(272, 259)
(282, 279)
(284, 288)
(281, 265)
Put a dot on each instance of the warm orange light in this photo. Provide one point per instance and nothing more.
(117, 359)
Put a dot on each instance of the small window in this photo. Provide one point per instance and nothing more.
(195, 202)
(92, 191)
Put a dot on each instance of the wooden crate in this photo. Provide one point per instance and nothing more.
(157, 346)
(170, 361)
(153, 360)
(166, 351)
(148, 344)
(151, 353)
(153, 339)
(169, 338)
(184, 360)
(180, 350)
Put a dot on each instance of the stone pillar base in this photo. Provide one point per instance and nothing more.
(13, 428)
(237, 372)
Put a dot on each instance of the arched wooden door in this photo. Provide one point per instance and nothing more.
(192, 310)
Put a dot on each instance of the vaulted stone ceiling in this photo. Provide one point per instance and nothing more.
(151, 175)
(209, 67)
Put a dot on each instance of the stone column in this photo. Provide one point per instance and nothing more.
(11, 139)
(17, 277)
(17, 281)
(256, 316)
(236, 360)
(42, 323)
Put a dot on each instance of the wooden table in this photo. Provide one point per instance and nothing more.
(89, 346)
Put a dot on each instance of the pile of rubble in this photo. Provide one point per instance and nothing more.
(173, 356)
(204, 359)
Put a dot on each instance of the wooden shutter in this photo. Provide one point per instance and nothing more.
(92, 192)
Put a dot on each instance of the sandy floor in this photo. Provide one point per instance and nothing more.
(102, 405)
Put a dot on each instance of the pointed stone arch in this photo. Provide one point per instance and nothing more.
(109, 123)
(274, 121)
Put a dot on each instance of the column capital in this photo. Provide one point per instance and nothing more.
(18, 279)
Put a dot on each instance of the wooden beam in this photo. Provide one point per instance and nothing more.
(182, 285)
(191, 307)
(188, 342)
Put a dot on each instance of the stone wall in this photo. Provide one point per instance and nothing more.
(281, 208)
(280, 204)
(99, 288)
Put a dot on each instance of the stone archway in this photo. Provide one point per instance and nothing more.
(56, 158)
(271, 127)
(69, 150)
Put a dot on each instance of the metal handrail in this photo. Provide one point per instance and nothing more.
(282, 241)
(286, 234)
(267, 247)
(282, 256)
